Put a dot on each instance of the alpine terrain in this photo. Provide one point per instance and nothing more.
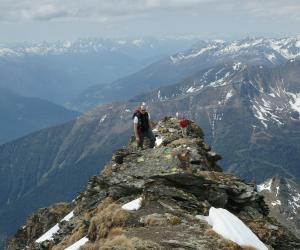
(240, 89)
(202, 55)
(161, 198)
(221, 103)
(261, 103)
(283, 198)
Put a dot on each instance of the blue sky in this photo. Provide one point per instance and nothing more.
(38, 20)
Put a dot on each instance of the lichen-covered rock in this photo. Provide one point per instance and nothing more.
(176, 180)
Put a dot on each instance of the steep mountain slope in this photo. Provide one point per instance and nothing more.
(203, 55)
(60, 71)
(261, 103)
(50, 165)
(21, 115)
(283, 198)
(169, 185)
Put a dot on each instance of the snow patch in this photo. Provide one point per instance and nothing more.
(103, 118)
(237, 65)
(295, 102)
(53, 230)
(180, 56)
(228, 95)
(49, 234)
(78, 244)
(158, 95)
(278, 202)
(265, 112)
(7, 52)
(259, 115)
(191, 90)
(218, 83)
(265, 186)
(133, 205)
(69, 216)
(158, 141)
(232, 228)
(271, 57)
(296, 198)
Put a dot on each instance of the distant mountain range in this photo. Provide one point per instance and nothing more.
(59, 71)
(22, 115)
(203, 55)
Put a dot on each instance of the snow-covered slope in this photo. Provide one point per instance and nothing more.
(283, 198)
(273, 50)
(272, 94)
(202, 56)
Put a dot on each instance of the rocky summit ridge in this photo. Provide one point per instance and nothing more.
(173, 182)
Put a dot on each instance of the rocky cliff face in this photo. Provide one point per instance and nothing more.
(283, 198)
(173, 182)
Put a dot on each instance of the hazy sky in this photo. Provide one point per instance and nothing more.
(38, 20)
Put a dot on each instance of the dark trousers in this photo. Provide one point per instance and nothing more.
(149, 134)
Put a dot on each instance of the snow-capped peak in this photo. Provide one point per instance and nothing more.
(271, 49)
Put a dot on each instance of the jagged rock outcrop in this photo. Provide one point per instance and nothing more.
(175, 181)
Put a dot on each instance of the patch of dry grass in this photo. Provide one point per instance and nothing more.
(120, 242)
(107, 171)
(210, 232)
(90, 246)
(103, 221)
(60, 208)
(116, 231)
(161, 219)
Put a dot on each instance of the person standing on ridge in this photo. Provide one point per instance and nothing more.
(142, 127)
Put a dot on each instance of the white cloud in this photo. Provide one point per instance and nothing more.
(105, 10)
(91, 9)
